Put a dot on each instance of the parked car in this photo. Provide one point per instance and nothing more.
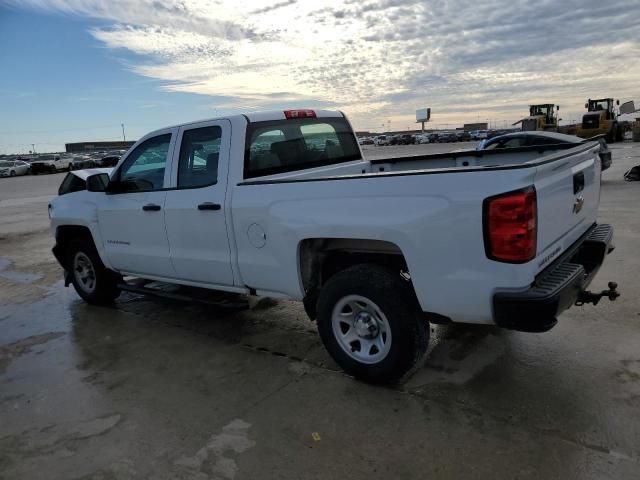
(406, 139)
(533, 138)
(381, 140)
(367, 141)
(11, 168)
(422, 138)
(394, 140)
(107, 161)
(82, 162)
(373, 248)
(447, 137)
(463, 136)
(434, 138)
(50, 164)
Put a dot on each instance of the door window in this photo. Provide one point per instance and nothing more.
(199, 152)
(143, 170)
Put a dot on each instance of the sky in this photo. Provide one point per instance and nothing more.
(76, 70)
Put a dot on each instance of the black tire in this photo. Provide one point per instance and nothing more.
(397, 303)
(52, 170)
(12, 173)
(611, 135)
(105, 289)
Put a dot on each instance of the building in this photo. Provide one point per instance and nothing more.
(468, 127)
(80, 147)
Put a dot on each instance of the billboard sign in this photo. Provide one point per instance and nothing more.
(423, 115)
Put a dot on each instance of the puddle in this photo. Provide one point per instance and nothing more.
(19, 277)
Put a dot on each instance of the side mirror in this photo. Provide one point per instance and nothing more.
(558, 107)
(98, 182)
(617, 102)
(586, 105)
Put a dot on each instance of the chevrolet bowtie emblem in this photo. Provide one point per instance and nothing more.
(577, 206)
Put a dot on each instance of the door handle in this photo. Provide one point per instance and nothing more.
(151, 207)
(209, 206)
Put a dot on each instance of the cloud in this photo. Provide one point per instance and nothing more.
(377, 59)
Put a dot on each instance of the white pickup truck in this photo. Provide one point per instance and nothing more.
(283, 204)
(52, 163)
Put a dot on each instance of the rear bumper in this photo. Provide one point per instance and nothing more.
(557, 287)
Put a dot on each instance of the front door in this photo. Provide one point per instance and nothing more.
(131, 218)
(194, 211)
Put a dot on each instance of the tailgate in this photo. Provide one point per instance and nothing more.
(568, 196)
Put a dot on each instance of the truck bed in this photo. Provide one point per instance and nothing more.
(431, 208)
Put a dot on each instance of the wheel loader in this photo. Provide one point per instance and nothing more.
(601, 119)
(541, 117)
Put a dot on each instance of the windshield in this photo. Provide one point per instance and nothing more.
(539, 110)
(596, 105)
(296, 144)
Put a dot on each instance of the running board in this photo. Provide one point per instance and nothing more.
(224, 300)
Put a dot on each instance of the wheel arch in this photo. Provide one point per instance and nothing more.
(319, 259)
(65, 234)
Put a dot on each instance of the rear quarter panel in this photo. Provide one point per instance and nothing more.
(435, 220)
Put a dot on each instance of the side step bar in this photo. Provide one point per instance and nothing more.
(223, 300)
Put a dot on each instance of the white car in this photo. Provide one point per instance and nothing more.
(381, 140)
(288, 207)
(11, 168)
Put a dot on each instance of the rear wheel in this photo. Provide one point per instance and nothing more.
(52, 169)
(92, 280)
(12, 173)
(370, 323)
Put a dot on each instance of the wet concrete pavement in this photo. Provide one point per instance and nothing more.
(157, 389)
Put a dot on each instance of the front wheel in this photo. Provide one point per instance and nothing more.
(370, 323)
(92, 280)
(12, 173)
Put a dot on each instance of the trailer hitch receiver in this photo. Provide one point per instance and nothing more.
(591, 297)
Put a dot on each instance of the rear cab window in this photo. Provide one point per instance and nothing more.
(282, 146)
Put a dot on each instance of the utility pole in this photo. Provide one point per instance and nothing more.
(124, 139)
(33, 148)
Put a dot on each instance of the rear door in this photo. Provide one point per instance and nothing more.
(568, 195)
(194, 210)
(131, 219)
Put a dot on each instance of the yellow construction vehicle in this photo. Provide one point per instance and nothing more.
(541, 117)
(601, 119)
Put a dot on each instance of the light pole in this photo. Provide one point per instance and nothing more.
(33, 148)
(124, 139)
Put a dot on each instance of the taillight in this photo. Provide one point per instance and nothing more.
(511, 226)
(289, 114)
